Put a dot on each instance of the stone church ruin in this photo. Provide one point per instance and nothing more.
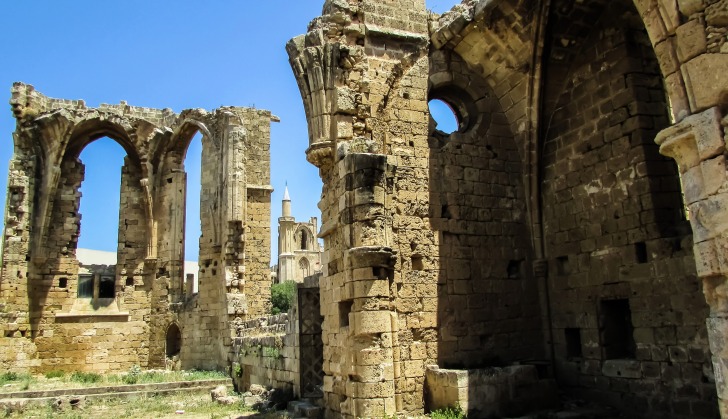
(59, 316)
(548, 232)
(568, 237)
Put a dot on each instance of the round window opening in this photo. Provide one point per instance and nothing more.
(446, 119)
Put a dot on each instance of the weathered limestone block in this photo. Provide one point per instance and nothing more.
(494, 392)
(696, 143)
(717, 13)
(690, 7)
(696, 138)
(705, 80)
(622, 368)
(691, 40)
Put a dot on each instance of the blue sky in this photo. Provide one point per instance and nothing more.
(163, 54)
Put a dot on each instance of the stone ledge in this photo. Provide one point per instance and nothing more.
(268, 188)
(123, 316)
(395, 33)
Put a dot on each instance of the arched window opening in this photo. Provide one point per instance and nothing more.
(174, 340)
(99, 209)
(193, 225)
(304, 240)
(100, 194)
(305, 267)
(446, 119)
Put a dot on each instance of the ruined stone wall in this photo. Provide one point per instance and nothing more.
(573, 96)
(282, 351)
(363, 73)
(258, 221)
(235, 243)
(61, 329)
(267, 354)
(488, 306)
(689, 38)
(613, 223)
(205, 318)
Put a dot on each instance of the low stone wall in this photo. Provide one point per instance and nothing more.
(267, 353)
(489, 392)
(17, 355)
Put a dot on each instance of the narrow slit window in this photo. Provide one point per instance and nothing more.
(616, 329)
(573, 343)
(344, 311)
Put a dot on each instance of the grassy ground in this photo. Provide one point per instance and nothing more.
(11, 382)
(188, 406)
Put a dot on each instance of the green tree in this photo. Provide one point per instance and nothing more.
(281, 296)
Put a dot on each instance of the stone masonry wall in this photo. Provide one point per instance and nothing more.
(689, 38)
(269, 350)
(580, 87)
(266, 353)
(363, 71)
(614, 226)
(488, 305)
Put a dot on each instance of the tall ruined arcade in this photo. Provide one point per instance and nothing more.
(141, 312)
(547, 235)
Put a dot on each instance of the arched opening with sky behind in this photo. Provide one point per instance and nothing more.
(193, 226)
(239, 61)
(100, 192)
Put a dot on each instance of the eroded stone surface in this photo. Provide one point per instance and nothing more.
(547, 226)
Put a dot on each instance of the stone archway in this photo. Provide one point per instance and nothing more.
(173, 339)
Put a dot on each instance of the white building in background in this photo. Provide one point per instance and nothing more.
(89, 257)
(299, 251)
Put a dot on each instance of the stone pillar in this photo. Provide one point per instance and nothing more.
(364, 297)
(698, 145)
(362, 70)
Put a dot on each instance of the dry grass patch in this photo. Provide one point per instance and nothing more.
(164, 406)
(53, 380)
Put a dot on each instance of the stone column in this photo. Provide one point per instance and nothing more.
(697, 143)
(365, 291)
(362, 72)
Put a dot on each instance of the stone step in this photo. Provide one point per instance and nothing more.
(25, 398)
(115, 389)
(304, 409)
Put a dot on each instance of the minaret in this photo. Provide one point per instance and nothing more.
(286, 230)
(286, 203)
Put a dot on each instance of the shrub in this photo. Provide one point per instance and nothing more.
(448, 413)
(85, 377)
(237, 370)
(8, 376)
(26, 383)
(55, 374)
(271, 352)
(132, 377)
(281, 296)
